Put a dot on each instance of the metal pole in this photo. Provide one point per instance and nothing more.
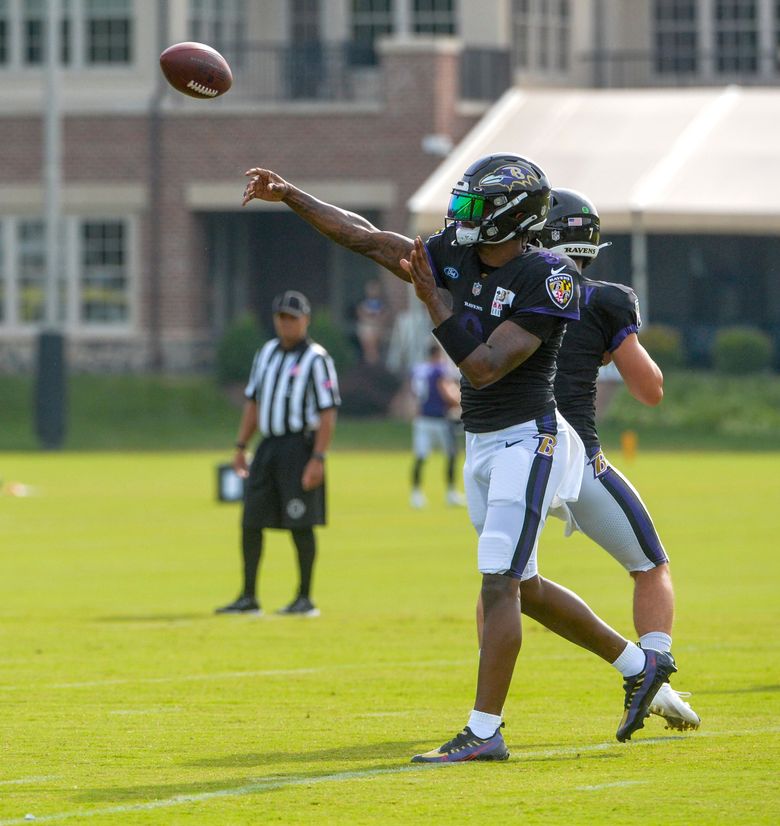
(52, 129)
(156, 140)
(639, 280)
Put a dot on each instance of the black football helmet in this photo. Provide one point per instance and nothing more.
(498, 197)
(573, 227)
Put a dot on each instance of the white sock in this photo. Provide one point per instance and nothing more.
(657, 640)
(484, 725)
(631, 661)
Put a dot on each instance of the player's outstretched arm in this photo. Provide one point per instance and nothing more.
(349, 229)
(643, 377)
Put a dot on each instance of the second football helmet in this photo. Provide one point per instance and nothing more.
(573, 227)
(499, 197)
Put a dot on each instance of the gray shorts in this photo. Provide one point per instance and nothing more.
(611, 512)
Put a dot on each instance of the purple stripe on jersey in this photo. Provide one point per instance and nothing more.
(538, 478)
(546, 311)
(637, 515)
(622, 336)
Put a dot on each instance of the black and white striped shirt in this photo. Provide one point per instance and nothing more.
(292, 387)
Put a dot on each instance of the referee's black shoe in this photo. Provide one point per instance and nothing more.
(300, 607)
(243, 605)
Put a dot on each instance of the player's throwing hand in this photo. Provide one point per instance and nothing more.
(264, 185)
(419, 268)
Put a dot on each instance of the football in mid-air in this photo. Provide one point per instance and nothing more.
(196, 69)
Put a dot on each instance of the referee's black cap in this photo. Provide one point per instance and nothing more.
(292, 302)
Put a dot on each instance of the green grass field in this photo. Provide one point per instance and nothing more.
(126, 701)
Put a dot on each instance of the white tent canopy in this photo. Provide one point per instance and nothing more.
(655, 160)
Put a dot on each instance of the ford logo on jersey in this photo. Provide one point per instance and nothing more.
(451, 272)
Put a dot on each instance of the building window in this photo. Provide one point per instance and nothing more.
(676, 37)
(103, 286)
(521, 34)
(221, 24)
(33, 37)
(541, 35)
(4, 30)
(109, 30)
(434, 17)
(777, 35)
(370, 20)
(31, 268)
(736, 36)
(94, 282)
(34, 14)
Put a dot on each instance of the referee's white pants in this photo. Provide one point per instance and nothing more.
(512, 477)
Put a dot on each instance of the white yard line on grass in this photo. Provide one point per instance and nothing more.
(241, 675)
(25, 781)
(270, 784)
(619, 783)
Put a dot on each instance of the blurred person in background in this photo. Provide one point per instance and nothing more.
(499, 308)
(437, 395)
(371, 313)
(291, 399)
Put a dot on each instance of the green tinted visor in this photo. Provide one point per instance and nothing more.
(466, 207)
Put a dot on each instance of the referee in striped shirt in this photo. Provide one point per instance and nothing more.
(292, 396)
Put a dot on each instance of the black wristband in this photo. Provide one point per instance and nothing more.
(319, 456)
(458, 343)
(240, 445)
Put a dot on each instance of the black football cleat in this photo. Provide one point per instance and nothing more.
(467, 746)
(300, 607)
(243, 605)
(641, 690)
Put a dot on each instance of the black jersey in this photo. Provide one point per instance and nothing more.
(608, 313)
(539, 292)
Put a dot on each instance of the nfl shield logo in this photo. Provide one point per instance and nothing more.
(476, 288)
(560, 288)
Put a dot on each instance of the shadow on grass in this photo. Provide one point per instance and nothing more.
(256, 784)
(365, 751)
(753, 689)
(398, 753)
(151, 617)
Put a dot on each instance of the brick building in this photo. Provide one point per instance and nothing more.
(356, 100)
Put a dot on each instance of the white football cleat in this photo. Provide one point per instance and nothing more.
(669, 704)
(417, 499)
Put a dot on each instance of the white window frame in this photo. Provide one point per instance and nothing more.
(77, 11)
(736, 26)
(373, 19)
(232, 19)
(545, 26)
(670, 26)
(77, 281)
(447, 18)
(72, 254)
